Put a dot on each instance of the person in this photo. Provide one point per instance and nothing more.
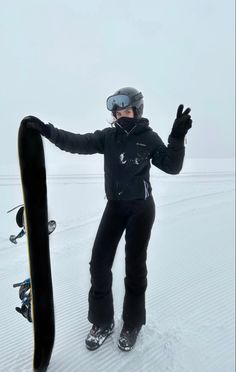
(129, 147)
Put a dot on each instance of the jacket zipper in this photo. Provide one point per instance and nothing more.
(127, 133)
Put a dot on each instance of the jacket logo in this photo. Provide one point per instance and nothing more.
(141, 144)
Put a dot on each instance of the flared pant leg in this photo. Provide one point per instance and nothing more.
(111, 228)
(138, 232)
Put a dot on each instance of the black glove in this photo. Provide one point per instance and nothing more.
(182, 123)
(36, 124)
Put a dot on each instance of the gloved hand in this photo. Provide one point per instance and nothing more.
(37, 124)
(182, 123)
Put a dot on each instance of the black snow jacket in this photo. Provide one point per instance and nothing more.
(128, 148)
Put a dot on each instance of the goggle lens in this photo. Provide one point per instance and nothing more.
(119, 100)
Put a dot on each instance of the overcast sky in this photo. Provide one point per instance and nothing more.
(61, 59)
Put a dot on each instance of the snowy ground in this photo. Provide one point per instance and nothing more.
(190, 297)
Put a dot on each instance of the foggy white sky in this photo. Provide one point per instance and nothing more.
(61, 59)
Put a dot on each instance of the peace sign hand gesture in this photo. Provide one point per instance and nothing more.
(182, 123)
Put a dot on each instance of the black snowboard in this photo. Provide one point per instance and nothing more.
(33, 178)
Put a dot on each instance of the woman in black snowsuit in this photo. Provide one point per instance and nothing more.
(129, 147)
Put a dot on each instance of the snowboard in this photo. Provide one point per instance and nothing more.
(34, 187)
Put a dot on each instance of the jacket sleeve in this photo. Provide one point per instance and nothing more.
(87, 144)
(168, 158)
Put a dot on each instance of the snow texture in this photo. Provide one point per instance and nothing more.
(190, 296)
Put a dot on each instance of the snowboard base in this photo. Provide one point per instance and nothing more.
(33, 179)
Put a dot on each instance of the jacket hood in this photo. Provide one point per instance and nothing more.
(132, 125)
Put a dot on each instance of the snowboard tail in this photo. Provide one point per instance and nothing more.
(33, 179)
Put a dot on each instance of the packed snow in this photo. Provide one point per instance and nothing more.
(190, 295)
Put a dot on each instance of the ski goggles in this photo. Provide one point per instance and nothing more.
(122, 101)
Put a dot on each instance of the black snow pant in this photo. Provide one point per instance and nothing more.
(136, 218)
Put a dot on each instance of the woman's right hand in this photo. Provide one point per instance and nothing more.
(34, 123)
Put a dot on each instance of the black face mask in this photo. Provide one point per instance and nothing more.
(127, 123)
(134, 125)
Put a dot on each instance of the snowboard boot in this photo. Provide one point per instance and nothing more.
(98, 335)
(128, 337)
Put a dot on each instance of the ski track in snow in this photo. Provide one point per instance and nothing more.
(190, 297)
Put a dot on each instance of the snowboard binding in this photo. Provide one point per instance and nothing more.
(25, 297)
